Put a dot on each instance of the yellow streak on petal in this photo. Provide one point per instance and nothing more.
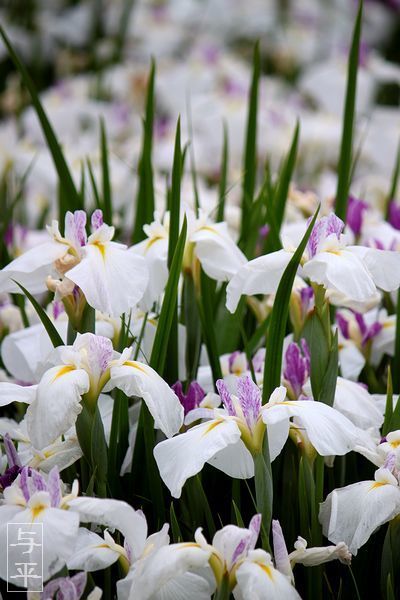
(266, 570)
(212, 426)
(377, 484)
(134, 365)
(209, 228)
(63, 371)
(37, 510)
(395, 443)
(102, 249)
(152, 241)
(189, 545)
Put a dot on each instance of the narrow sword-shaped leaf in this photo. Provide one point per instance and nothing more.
(145, 195)
(175, 197)
(346, 147)
(52, 332)
(250, 155)
(107, 197)
(223, 179)
(394, 182)
(159, 351)
(285, 176)
(278, 319)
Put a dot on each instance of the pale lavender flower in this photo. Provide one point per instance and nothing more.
(65, 588)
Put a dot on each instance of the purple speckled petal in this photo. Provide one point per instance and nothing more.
(315, 237)
(254, 527)
(343, 325)
(11, 452)
(178, 389)
(97, 219)
(225, 397)
(9, 476)
(54, 488)
(51, 588)
(23, 482)
(361, 323)
(240, 549)
(297, 366)
(192, 398)
(128, 551)
(250, 399)
(101, 352)
(75, 227)
(38, 481)
(306, 353)
(8, 237)
(231, 359)
(79, 580)
(58, 309)
(67, 590)
(258, 360)
(375, 243)
(334, 225)
(322, 229)
(390, 461)
(280, 551)
(306, 298)
(372, 331)
(355, 213)
(394, 215)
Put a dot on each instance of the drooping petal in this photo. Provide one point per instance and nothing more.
(11, 392)
(220, 257)
(342, 271)
(259, 276)
(330, 432)
(351, 514)
(383, 265)
(137, 379)
(31, 268)
(354, 401)
(91, 553)
(184, 455)
(115, 514)
(235, 460)
(155, 253)
(22, 351)
(278, 430)
(112, 278)
(57, 404)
